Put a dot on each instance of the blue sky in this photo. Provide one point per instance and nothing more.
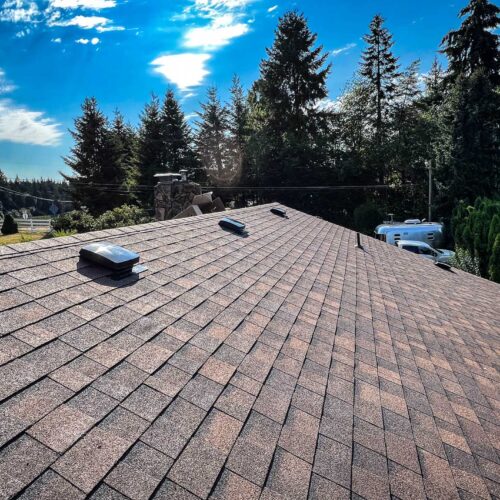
(54, 53)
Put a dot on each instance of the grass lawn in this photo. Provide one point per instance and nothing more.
(20, 238)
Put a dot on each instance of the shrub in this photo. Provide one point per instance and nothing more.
(126, 215)
(81, 221)
(76, 220)
(495, 260)
(9, 225)
(367, 217)
(465, 261)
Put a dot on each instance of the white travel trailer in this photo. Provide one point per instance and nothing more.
(411, 229)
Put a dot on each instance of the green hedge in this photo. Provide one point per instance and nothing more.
(81, 221)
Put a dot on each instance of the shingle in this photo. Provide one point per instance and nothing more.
(21, 462)
(140, 472)
(199, 465)
(89, 460)
(305, 354)
(173, 429)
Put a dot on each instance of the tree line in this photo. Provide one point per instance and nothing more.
(381, 135)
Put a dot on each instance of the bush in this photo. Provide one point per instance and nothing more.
(495, 260)
(126, 215)
(9, 225)
(76, 220)
(81, 221)
(367, 217)
(465, 261)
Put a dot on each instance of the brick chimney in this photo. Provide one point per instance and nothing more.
(173, 194)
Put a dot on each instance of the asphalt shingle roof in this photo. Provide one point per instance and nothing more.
(284, 364)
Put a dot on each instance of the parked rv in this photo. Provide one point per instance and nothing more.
(411, 229)
(425, 250)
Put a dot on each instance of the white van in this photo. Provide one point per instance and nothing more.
(412, 229)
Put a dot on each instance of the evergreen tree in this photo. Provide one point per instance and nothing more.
(434, 85)
(467, 151)
(379, 68)
(212, 140)
(475, 45)
(96, 173)
(238, 129)
(150, 148)
(125, 154)
(292, 127)
(494, 269)
(176, 136)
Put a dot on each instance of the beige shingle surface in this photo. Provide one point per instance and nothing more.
(283, 364)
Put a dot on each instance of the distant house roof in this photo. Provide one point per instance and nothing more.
(283, 364)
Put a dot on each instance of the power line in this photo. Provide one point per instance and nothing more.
(17, 193)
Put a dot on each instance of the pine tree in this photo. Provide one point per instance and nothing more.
(212, 141)
(238, 129)
(125, 154)
(494, 269)
(176, 134)
(434, 85)
(468, 148)
(97, 176)
(475, 45)
(150, 148)
(379, 69)
(292, 82)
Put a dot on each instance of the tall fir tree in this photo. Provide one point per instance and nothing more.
(238, 124)
(176, 136)
(124, 140)
(468, 150)
(475, 45)
(98, 178)
(379, 69)
(150, 147)
(212, 140)
(292, 127)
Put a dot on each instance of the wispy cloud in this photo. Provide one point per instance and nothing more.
(87, 23)
(216, 34)
(184, 70)
(56, 40)
(342, 50)
(82, 4)
(59, 13)
(216, 24)
(19, 11)
(5, 85)
(86, 41)
(21, 125)
(272, 9)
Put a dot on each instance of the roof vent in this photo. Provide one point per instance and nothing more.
(232, 225)
(278, 211)
(118, 259)
(443, 265)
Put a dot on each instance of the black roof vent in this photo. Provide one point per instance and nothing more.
(443, 265)
(120, 260)
(278, 211)
(232, 225)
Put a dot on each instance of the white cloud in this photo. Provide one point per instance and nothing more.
(84, 22)
(184, 70)
(104, 29)
(21, 125)
(341, 50)
(56, 40)
(82, 4)
(272, 9)
(19, 11)
(5, 85)
(217, 34)
(86, 41)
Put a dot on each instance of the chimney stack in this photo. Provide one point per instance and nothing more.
(173, 194)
